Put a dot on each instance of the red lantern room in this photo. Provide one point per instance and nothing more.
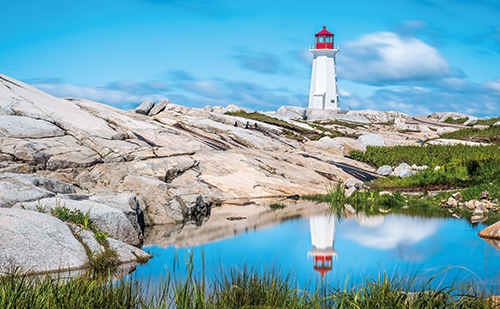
(324, 39)
(322, 264)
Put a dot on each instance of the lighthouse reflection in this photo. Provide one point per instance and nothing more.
(323, 240)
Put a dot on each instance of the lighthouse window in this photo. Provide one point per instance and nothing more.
(322, 39)
(328, 40)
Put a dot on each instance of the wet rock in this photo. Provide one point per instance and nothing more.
(492, 231)
(145, 107)
(485, 195)
(385, 170)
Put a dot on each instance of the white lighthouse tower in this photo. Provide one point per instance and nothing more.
(322, 238)
(324, 89)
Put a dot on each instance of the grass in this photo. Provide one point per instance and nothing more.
(288, 130)
(487, 135)
(456, 121)
(245, 288)
(488, 122)
(275, 206)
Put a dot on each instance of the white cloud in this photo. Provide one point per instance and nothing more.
(493, 85)
(384, 58)
(394, 231)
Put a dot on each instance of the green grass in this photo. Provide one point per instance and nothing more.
(456, 121)
(288, 130)
(430, 155)
(488, 122)
(274, 206)
(245, 288)
(487, 135)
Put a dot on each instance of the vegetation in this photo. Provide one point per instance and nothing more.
(274, 206)
(247, 288)
(456, 121)
(487, 135)
(488, 122)
(289, 130)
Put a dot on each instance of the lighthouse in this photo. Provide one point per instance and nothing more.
(322, 238)
(324, 89)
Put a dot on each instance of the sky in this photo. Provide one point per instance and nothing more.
(413, 56)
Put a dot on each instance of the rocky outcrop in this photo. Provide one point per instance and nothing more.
(372, 139)
(34, 242)
(145, 107)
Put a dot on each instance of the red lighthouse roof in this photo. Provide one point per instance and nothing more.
(324, 32)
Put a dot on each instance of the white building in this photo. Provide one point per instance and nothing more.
(324, 89)
(322, 238)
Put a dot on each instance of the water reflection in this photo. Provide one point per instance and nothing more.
(315, 245)
(323, 240)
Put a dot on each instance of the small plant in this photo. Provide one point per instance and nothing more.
(100, 236)
(275, 206)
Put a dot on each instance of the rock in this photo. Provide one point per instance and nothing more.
(496, 124)
(385, 193)
(158, 108)
(472, 121)
(485, 195)
(350, 208)
(477, 219)
(384, 170)
(437, 168)
(127, 253)
(145, 107)
(372, 140)
(108, 219)
(235, 108)
(19, 126)
(456, 216)
(403, 127)
(18, 188)
(208, 108)
(349, 192)
(292, 112)
(405, 172)
(353, 182)
(328, 144)
(219, 109)
(451, 202)
(37, 242)
(350, 144)
(492, 231)
(457, 196)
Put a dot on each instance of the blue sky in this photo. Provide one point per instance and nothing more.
(415, 56)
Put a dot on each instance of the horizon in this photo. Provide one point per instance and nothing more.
(419, 57)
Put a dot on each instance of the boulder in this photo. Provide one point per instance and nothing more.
(350, 144)
(349, 192)
(496, 124)
(485, 195)
(385, 170)
(292, 112)
(471, 121)
(372, 139)
(353, 182)
(316, 114)
(458, 196)
(404, 127)
(492, 231)
(158, 108)
(219, 109)
(19, 188)
(37, 242)
(233, 108)
(108, 219)
(327, 144)
(145, 107)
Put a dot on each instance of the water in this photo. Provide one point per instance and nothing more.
(359, 246)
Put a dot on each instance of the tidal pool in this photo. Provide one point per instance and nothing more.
(320, 246)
